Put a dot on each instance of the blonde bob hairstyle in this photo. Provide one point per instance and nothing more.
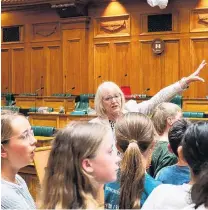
(99, 108)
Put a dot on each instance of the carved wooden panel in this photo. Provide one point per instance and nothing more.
(199, 20)
(38, 69)
(199, 52)
(5, 71)
(112, 26)
(121, 63)
(102, 63)
(54, 70)
(46, 31)
(18, 70)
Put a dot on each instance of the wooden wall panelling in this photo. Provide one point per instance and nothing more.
(171, 59)
(5, 70)
(75, 54)
(38, 69)
(72, 60)
(199, 52)
(18, 69)
(185, 62)
(121, 63)
(54, 70)
(151, 68)
(102, 63)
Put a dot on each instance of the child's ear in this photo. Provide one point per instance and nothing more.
(87, 165)
(169, 121)
(119, 148)
(3, 151)
(180, 153)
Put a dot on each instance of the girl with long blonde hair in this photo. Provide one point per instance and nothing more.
(135, 136)
(81, 161)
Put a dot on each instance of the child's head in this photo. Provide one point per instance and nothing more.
(135, 139)
(195, 146)
(164, 115)
(176, 133)
(17, 141)
(81, 159)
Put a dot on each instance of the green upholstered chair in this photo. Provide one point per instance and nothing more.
(43, 130)
(82, 106)
(177, 100)
(193, 114)
(9, 99)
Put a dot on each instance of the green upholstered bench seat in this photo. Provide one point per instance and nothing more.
(193, 114)
(43, 130)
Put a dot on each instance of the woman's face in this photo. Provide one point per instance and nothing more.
(111, 100)
(20, 147)
(105, 163)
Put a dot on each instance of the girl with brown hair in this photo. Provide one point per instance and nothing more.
(17, 151)
(135, 136)
(81, 161)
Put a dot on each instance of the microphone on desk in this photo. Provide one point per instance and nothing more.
(143, 95)
(68, 91)
(39, 89)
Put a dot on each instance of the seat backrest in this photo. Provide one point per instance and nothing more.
(41, 161)
(126, 90)
(177, 100)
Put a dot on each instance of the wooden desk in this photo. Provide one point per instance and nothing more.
(26, 102)
(55, 120)
(29, 174)
(43, 141)
(195, 105)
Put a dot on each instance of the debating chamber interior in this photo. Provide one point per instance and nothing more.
(55, 54)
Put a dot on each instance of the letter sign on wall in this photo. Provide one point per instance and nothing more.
(158, 46)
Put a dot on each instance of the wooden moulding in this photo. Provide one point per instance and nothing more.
(112, 26)
(199, 20)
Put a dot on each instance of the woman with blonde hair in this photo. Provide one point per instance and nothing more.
(135, 136)
(81, 161)
(110, 101)
(17, 151)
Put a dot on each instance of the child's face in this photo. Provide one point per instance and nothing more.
(105, 163)
(21, 146)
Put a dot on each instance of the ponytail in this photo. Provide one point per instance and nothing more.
(132, 177)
